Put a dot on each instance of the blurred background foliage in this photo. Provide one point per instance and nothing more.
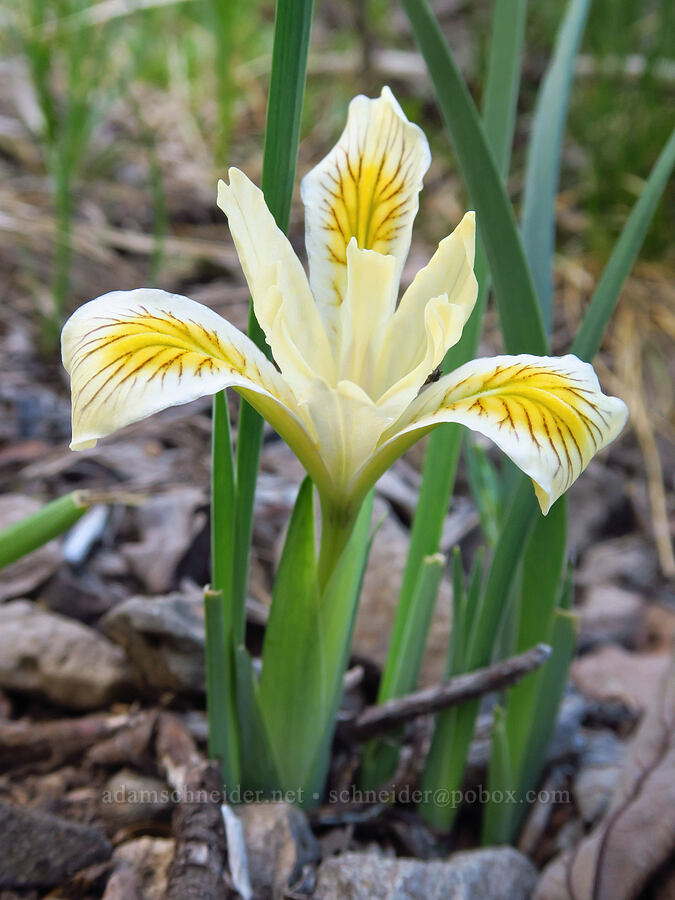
(196, 70)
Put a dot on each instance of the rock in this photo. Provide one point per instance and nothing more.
(63, 661)
(123, 884)
(491, 874)
(599, 769)
(610, 615)
(379, 599)
(164, 639)
(632, 846)
(612, 673)
(279, 842)
(660, 627)
(149, 858)
(167, 524)
(23, 576)
(129, 798)
(629, 559)
(38, 849)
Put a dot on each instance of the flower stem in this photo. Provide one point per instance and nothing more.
(337, 523)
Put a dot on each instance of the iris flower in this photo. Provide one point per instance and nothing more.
(349, 386)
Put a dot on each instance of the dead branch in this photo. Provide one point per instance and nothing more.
(377, 719)
(198, 866)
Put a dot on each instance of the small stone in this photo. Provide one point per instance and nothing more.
(491, 874)
(164, 638)
(612, 673)
(599, 769)
(149, 858)
(129, 798)
(123, 884)
(610, 615)
(279, 843)
(38, 849)
(63, 661)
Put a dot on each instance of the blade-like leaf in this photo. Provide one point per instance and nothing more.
(497, 811)
(606, 294)
(282, 134)
(449, 750)
(401, 673)
(258, 769)
(221, 702)
(306, 649)
(517, 302)
(440, 462)
(42, 526)
(544, 156)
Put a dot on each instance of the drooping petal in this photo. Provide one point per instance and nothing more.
(367, 187)
(430, 317)
(132, 353)
(276, 279)
(547, 414)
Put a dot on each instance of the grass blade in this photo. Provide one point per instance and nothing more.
(442, 455)
(53, 519)
(544, 155)
(606, 294)
(454, 729)
(517, 302)
(496, 817)
(282, 134)
(401, 672)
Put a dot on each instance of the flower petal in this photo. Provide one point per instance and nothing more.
(132, 353)
(269, 262)
(365, 188)
(370, 299)
(430, 317)
(547, 414)
(348, 426)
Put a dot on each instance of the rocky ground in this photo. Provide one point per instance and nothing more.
(102, 723)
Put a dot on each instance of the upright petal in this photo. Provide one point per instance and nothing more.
(132, 353)
(547, 414)
(276, 279)
(430, 317)
(367, 188)
(370, 299)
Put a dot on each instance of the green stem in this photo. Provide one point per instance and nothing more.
(337, 524)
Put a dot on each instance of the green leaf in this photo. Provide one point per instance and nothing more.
(606, 294)
(220, 671)
(542, 568)
(496, 816)
(221, 700)
(503, 78)
(292, 622)
(449, 750)
(401, 673)
(442, 455)
(517, 302)
(259, 772)
(544, 155)
(282, 134)
(485, 488)
(34, 531)
(306, 649)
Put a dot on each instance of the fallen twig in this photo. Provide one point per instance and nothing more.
(42, 746)
(198, 866)
(376, 719)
